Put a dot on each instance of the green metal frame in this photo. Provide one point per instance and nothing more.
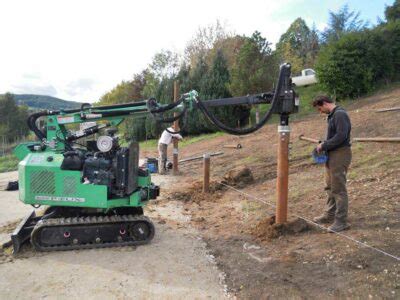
(43, 182)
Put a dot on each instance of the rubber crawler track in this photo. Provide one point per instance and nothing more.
(90, 221)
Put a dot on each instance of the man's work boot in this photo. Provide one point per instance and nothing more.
(338, 226)
(324, 219)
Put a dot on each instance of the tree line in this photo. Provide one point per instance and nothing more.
(13, 119)
(358, 60)
(351, 58)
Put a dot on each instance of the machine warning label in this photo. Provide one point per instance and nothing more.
(65, 120)
(60, 199)
(36, 159)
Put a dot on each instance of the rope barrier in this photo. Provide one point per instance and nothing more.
(318, 225)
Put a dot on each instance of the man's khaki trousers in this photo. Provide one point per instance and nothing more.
(336, 170)
(162, 158)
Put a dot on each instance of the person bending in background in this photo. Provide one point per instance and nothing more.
(166, 138)
(338, 147)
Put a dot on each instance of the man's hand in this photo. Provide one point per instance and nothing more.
(319, 147)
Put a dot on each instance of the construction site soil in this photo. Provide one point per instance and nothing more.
(264, 260)
(259, 259)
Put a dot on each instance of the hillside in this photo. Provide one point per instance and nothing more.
(239, 248)
(44, 102)
(308, 264)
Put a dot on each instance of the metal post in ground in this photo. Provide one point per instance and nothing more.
(206, 180)
(175, 150)
(282, 186)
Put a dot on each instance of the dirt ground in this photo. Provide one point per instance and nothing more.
(225, 243)
(176, 265)
(299, 261)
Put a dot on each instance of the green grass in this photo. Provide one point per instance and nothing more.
(251, 206)
(8, 163)
(353, 174)
(148, 145)
(306, 94)
(152, 144)
(250, 159)
(191, 140)
(301, 149)
(382, 88)
(386, 162)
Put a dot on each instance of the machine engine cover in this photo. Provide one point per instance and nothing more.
(97, 171)
(73, 160)
(127, 169)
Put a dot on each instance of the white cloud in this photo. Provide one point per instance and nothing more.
(36, 89)
(80, 86)
(105, 42)
(31, 76)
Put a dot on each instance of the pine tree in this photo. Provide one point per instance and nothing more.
(255, 67)
(298, 45)
(342, 22)
(392, 13)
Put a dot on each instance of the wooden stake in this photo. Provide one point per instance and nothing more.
(235, 146)
(378, 139)
(282, 186)
(257, 114)
(206, 180)
(175, 150)
(388, 109)
(304, 138)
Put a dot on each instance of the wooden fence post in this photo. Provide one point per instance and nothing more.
(175, 150)
(206, 180)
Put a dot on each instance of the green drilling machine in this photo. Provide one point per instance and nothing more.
(94, 191)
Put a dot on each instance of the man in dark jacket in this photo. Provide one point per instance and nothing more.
(338, 147)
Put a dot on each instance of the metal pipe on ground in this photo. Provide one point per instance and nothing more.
(236, 146)
(378, 139)
(199, 157)
(304, 138)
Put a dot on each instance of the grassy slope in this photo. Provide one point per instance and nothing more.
(339, 268)
(9, 163)
(152, 144)
(306, 95)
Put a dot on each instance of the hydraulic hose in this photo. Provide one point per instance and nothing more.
(257, 126)
(151, 105)
(152, 108)
(32, 122)
(172, 119)
(184, 114)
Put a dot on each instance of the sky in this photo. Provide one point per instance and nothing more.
(80, 49)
